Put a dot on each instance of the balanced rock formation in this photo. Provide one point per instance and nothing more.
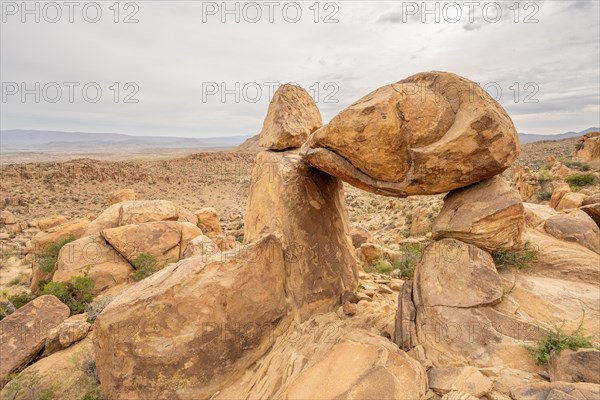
(307, 206)
(292, 116)
(24, 332)
(430, 133)
(488, 214)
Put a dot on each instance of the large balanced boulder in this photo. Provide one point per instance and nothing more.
(24, 332)
(292, 116)
(194, 327)
(308, 207)
(430, 133)
(488, 214)
(91, 255)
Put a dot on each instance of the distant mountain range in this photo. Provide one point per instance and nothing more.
(530, 138)
(18, 140)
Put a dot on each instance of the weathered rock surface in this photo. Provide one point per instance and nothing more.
(360, 235)
(201, 245)
(121, 195)
(371, 252)
(63, 374)
(194, 327)
(588, 148)
(141, 211)
(308, 207)
(557, 391)
(405, 333)
(526, 183)
(575, 226)
(537, 214)
(461, 318)
(488, 214)
(464, 379)
(344, 363)
(72, 330)
(292, 116)
(23, 333)
(560, 259)
(51, 221)
(559, 191)
(571, 200)
(93, 256)
(209, 221)
(430, 133)
(582, 365)
(160, 239)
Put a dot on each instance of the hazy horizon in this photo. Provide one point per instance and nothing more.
(181, 61)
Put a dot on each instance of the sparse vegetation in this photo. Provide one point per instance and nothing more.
(578, 146)
(544, 196)
(580, 165)
(24, 384)
(76, 294)
(411, 254)
(21, 279)
(19, 300)
(577, 181)
(557, 340)
(46, 259)
(544, 175)
(521, 257)
(145, 265)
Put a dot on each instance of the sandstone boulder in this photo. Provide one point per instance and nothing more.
(557, 391)
(575, 226)
(72, 330)
(141, 211)
(308, 207)
(121, 195)
(24, 332)
(593, 210)
(209, 222)
(292, 116)
(588, 148)
(537, 214)
(51, 221)
(193, 328)
(488, 214)
(526, 183)
(582, 365)
(559, 191)
(7, 218)
(160, 239)
(430, 133)
(460, 317)
(93, 256)
(200, 246)
(368, 253)
(66, 374)
(566, 260)
(360, 235)
(464, 379)
(571, 200)
(109, 218)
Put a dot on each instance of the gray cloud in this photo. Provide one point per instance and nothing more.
(173, 56)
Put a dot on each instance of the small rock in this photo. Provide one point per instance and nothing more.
(385, 289)
(349, 308)
(466, 379)
(363, 296)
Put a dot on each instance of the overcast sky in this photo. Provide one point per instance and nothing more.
(178, 57)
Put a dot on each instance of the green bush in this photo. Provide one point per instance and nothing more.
(145, 265)
(578, 146)
(544, 175)
(381, 266)
(580, 165)
(544, 196)
(76, 294)
(47, 259)
(520, 258)
(405, 265)
(19, 300)
(557, 340)
(576, 181)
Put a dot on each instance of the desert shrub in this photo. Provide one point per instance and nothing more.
(381, 266)
(21, 279)
(544, 196)
(76, 294)
(19, 300)
(580, 165)
(24, 384)
(46, 259)
(402, 267)
(557, 340)
(544, 175)
(578, 146)
(521, 257)
(95, 307)
(145, 265)
(576, 181)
